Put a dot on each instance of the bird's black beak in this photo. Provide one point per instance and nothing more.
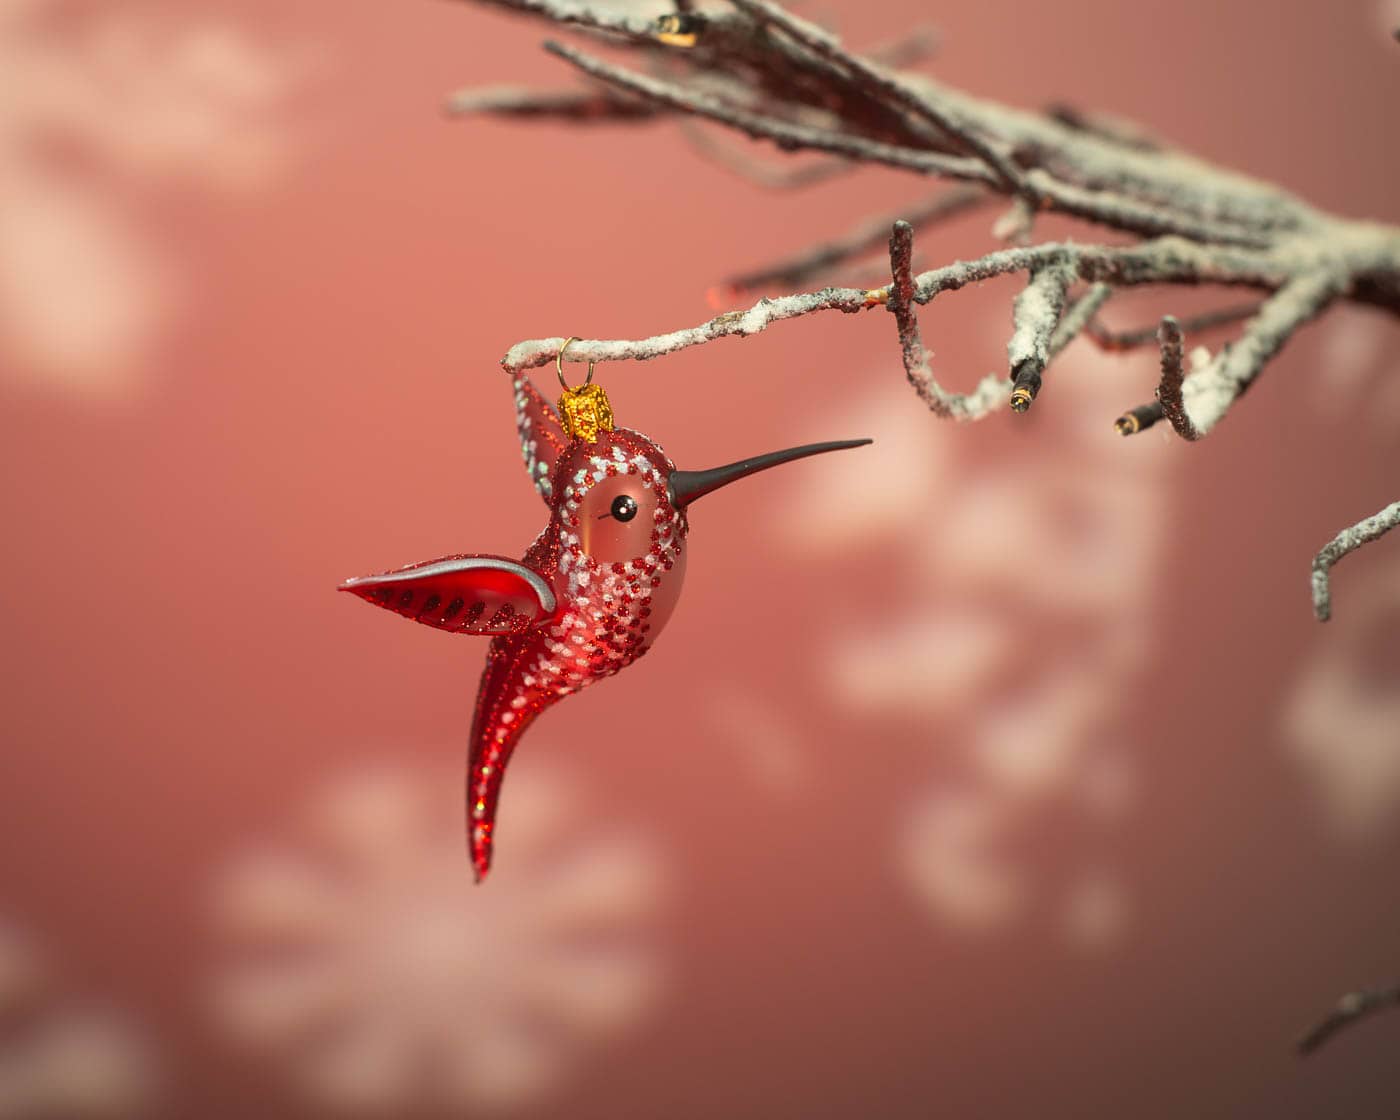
(686, 486)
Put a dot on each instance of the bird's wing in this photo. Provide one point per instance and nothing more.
(541, 434)
(463, 594)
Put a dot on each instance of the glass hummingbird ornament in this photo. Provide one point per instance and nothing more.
(589, 596)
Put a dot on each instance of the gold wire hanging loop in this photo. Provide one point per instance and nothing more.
(559, 363)
(584, 410)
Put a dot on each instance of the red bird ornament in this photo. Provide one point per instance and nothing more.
(588, 597)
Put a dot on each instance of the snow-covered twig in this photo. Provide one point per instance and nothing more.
(1165, 260)
(1079, 316)
(1344, 543)
(1210, 393)
(733, 324)
(1035, 316)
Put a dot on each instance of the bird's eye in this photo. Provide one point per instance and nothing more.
(624, 508)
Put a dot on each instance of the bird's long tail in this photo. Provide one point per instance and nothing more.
(507, 703)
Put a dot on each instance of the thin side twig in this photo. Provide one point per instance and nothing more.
(1107, 339)
(1173, 344)
(1350, 1010)
(887, 87)
(764, 173)
(915, 46)
(1105, 127)
(787, 135)
(1122, 211)
(573, 106)
(866, 237)
(990, 392)
(1210, 393)
(1079, 315)
(1343, 544)
(1017, 224)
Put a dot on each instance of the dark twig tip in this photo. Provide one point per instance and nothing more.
(1026, 381)
(1138, 419)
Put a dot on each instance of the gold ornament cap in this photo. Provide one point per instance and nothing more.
(584, 410)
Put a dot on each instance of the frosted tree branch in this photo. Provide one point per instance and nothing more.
(1343, 544)
(1210, 393)
(756, 70)
(1166, 260)
(1035, 316)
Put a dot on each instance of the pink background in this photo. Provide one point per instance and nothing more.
(322, 398)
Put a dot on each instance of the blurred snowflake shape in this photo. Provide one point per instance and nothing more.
(101, 109)
(1012, 623)
(367, 965)
(61, 1057)
(947, 853)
